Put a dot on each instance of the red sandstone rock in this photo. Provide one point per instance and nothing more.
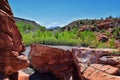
(106, 68)
(11, 45)
(57, 61)
(106, 24)
(111, 60)
(89, 55)
(87, 28)
(103, 38)
(22, 76)
(85, 59)
(5, 7)
(95, 74)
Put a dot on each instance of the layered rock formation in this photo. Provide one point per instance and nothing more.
(81, 64)
(96, 64)
(48, 59)
(11, 45)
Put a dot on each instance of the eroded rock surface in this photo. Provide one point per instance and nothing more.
(11, 45)
(95, 74)
(96, 64)
(48, 59)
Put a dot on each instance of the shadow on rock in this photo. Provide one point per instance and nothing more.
(42, 76)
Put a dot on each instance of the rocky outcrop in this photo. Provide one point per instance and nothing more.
(81, 64)
(48, 59)
(96, 64)
(106, 24)
(11, 45)
(102, 38)
(87, 28)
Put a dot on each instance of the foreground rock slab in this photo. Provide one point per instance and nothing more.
(106, 68)
(11, 45)
(86, 60)
(48, 59)
(95, 74)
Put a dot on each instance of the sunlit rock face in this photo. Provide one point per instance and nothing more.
(11, 45)
(96, 64)
(48, 59)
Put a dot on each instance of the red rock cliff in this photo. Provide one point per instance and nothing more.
(11, 44)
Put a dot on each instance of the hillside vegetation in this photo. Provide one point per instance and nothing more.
(85, 35)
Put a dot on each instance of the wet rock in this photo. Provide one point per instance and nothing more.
(48, 59)
(11, 44)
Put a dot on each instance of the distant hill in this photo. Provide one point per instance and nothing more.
(26, 21)
(89, 22)
(78, 23)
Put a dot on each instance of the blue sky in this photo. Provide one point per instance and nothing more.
(61, 12)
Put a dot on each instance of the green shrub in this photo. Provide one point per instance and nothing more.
(70, 38)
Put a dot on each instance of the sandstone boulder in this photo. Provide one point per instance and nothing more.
(48, 59)
(11, 45)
